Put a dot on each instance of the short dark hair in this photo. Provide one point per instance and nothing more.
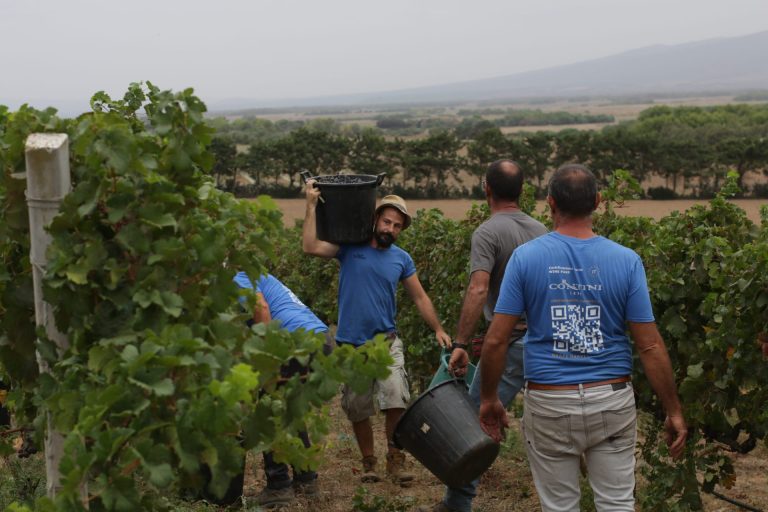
(505, 177)
(574, 189)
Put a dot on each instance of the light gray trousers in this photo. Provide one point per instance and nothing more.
(599, 422)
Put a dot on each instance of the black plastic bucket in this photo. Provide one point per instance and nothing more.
(345, 211)
(442, 431)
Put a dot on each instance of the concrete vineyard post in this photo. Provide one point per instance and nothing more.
(48, 181)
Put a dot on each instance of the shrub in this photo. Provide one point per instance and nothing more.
(661, 193)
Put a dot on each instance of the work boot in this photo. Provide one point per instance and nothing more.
(440, 507)
(28, 446)
(273, 498)
(396, 468)
(309, 489)
(369, 470)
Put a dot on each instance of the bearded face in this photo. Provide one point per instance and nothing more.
(388, 225)
(383, 240)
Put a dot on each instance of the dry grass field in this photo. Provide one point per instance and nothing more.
(293, 209)
(367, 116)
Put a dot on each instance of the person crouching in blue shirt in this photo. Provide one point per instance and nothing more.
(275, 301)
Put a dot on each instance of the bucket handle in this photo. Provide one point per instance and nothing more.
(380, 178)
(306, 176)
(448, 368)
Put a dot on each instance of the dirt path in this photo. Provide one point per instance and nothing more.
(506, 487)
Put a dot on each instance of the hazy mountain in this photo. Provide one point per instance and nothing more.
(716, 65)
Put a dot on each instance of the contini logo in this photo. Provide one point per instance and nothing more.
(576, 287)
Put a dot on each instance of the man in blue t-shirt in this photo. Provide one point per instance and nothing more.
(275, 301)
(579, 292)
(368, 282)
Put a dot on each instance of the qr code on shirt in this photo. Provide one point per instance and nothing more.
(576, 328)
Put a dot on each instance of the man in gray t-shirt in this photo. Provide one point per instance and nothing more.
(492, 245)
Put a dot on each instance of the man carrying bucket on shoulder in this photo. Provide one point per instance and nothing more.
(492, 245)
(368, 280)
(580, 292)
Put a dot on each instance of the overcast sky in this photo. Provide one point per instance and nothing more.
(56, 51)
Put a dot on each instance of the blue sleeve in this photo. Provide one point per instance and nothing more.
(409, 268)
(242, 280)
(261, 283)
(511, 298)
(639, 307)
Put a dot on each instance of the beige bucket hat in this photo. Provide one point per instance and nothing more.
(398, 203)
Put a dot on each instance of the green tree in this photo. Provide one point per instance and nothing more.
(316, 151)
(488, 146)
(368, 154)
(534, 151)
(224, 154)
(743, 150)
(433, 159)
(573, 146)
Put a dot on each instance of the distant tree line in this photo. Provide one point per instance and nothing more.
(251, 129)
(530, 117)
(690, 148)
(752, 96)
(469, 127)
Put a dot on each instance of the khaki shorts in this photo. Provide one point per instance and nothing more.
(390, 393)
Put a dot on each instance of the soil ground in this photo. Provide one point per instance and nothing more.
(506, 487)
(293, 209)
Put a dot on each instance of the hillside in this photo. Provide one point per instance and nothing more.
(716, 65)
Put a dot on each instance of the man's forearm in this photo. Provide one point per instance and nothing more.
(493, 362)
(309, 229)
(471, 311)
(261, 311)
(427, 311)
(493, 358)
(658, 369)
